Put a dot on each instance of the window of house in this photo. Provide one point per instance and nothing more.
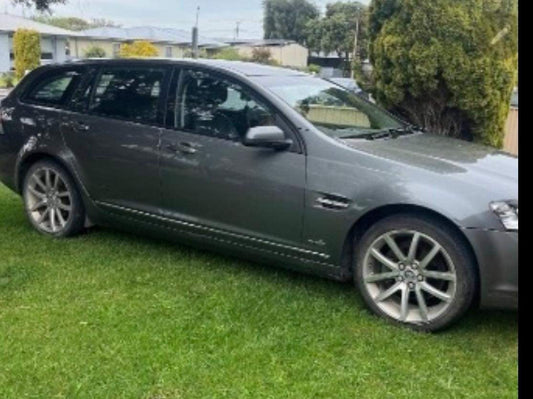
(128, 93)
(211, 106)
(168, 51)
(53, 89)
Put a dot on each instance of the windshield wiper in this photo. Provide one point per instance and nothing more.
(386, 133)
(407, 129)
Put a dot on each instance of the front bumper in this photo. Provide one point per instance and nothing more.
(497, 256)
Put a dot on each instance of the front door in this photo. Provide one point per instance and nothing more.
(210, 180)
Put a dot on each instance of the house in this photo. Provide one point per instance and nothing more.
(284, 52)
(54, 41)
(60, 45)
(171, 43)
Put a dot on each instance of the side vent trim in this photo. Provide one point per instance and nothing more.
(333, 202)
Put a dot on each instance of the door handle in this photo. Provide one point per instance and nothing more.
(187, 148)
(183, 147)
(80, 126)
(28, 121)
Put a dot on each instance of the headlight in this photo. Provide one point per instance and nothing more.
(507, 211)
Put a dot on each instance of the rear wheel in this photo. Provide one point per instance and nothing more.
(52, 201)
(415, 271)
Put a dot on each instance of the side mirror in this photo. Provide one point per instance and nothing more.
(267, 137)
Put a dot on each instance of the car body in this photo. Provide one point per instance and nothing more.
(302, 205)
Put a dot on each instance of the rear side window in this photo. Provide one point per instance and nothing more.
(128, 93)
(53, 89)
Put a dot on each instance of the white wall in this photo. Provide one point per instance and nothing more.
(79, 46)
(293, 54)
(5, 63)
(49, 44)
(59, 49)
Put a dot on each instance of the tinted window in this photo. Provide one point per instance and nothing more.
(82, 95)
(216, 107)
(53, 89)
(131, 94)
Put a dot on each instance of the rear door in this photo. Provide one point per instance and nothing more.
(216, 185)
(114, 132)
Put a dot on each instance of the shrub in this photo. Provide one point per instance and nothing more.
(447, 65)
(202, 53)
(139, 48)
(27, 51)
(228, 53)
(95, 52)
(313, 68)
(262, 55)
(8, 80)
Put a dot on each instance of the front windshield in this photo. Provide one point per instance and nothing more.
(332, 109)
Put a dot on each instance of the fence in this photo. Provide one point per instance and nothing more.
(510, 142)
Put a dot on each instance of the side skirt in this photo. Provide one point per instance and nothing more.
(252, 248)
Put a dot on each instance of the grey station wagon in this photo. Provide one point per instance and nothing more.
(270, 164)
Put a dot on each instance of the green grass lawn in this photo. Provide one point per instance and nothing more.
(111, 315)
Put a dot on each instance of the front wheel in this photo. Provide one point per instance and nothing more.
(415, 271)
(52, 201)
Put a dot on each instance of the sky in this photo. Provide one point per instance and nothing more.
(218, 18)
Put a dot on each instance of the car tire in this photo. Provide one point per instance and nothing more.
(52, 201)
(415, 271)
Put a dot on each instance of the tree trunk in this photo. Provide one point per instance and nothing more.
(435, 115)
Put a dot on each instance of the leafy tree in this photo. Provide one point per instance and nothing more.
(74, 23)
(103, 23)
(447, 65)
(354, 15)
(336, 31)
(41, 5)
(328, 35)
(27, 51)
(139, 48)
(287, 19)
(69, 23)
(95, 52)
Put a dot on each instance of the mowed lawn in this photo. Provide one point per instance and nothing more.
(112, 315)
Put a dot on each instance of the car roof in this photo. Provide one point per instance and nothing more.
(249, 69)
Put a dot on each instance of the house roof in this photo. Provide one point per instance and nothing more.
(150, 33)
(10, 23)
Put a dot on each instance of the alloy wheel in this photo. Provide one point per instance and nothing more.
(48, 200)
(409, 276)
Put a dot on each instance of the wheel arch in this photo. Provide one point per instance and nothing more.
(25, 164)
(375, 215)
